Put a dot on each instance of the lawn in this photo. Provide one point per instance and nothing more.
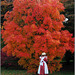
(23, 72)
(66, 70)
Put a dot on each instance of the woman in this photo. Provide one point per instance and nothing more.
(43, 69)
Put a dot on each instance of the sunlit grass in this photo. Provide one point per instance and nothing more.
(67, 69)
(14, 72)
(24, 72)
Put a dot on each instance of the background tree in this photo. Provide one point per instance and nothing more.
(6, 61)
(69, 13)
(5, 6)
(33, 27)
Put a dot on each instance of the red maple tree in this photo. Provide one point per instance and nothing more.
(33, 27)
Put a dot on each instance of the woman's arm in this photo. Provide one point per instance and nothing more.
(46, 60)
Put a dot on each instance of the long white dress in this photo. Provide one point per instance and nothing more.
(43, 68)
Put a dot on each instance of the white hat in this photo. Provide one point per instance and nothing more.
(43, 53)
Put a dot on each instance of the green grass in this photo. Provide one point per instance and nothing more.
(23, 72)
(67, 69)
(14, 72)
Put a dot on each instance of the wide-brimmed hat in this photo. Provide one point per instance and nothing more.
(43, 53)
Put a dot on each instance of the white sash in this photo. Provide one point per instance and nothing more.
(41, 62)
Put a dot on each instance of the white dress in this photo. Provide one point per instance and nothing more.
(43, 65)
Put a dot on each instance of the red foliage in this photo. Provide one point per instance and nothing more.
(33, 27)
